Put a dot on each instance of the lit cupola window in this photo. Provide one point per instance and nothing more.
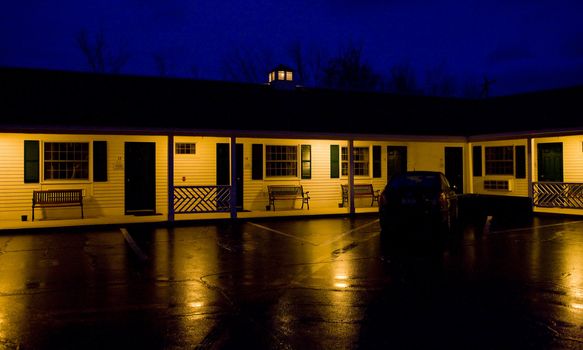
(281, 74)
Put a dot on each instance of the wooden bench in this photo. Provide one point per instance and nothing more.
(57, 198)
(361, 190)
(289, 192)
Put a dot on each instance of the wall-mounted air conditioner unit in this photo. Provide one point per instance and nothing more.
(499, 185)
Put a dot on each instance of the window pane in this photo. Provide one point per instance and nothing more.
(499, 160)
(66, 160)
(361, 161)
(185, 148)
(281, 161)
(306, 162)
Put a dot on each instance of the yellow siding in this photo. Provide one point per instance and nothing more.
(324, 191)
(519, 187)
(100, 198)
(572, 157)
(197, 169)
(106, 199)
(572, 166)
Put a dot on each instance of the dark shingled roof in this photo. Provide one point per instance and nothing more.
(34, 97)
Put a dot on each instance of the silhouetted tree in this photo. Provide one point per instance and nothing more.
(297, 55)
(308, 62)
(471, 88)
(403, 80)
(438, 82)
(246, 65)
(348, 71)
(486, 86)
(100, 57)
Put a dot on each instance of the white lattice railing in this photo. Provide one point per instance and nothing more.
(558, 194)
(201, 199)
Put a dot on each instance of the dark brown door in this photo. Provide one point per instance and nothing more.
(224, 169)
(454, 167)
(140, 178)
(396, 160)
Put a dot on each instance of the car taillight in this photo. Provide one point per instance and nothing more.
(443, 201)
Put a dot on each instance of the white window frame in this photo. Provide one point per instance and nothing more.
(344, 160)
(68, 163)
(289, 171)
(508, 165)
(185, 148)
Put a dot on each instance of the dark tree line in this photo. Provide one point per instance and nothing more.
(314, 67)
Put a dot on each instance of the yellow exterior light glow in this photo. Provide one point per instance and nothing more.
(196, 305)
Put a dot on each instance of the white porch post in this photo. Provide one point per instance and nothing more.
(351, 175)
(170, 177)
(470, 168)
(233, 199)
(530, 164)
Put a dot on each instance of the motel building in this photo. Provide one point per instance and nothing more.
(101, 149)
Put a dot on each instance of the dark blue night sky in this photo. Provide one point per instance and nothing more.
(522, 45)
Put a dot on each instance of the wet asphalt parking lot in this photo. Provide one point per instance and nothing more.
(317, 283)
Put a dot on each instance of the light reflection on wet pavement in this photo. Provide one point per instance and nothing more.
(289, 284)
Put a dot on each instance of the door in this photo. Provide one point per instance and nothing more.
(224, 169)
(396, 160)
(140, 178)
(550, 161)
(454, 167)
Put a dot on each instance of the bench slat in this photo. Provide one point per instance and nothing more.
(287, 192)
(57, 198)
(361, 190)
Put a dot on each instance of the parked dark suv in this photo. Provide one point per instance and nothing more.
(418, 206)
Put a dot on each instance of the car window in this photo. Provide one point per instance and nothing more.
(424, 181)
(444, 183)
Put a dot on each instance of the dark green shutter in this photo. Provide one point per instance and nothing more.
(376, 161)
(334, 161)
(306, 162)
(520, 170)
(257, 162)
(223, 163)
(99, 161)
(31, 161)
(477, 159)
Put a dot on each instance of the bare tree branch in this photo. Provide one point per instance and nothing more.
(349, 71)
(403, 80)
(99, 56)
(246, 65)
